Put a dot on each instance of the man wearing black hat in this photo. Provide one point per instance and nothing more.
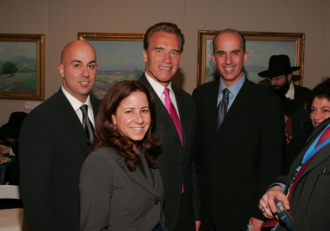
(11, 131)
(280, 78)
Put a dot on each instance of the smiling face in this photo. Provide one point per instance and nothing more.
(229, 57)
(162, 57)
(320, 110)
(132, 116)
(78, 69)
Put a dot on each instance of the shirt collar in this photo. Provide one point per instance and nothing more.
(290, 93)
(76, 104)
(235, 88)
(159, 89)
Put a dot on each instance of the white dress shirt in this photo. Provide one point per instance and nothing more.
(290, 93)
(159, 89)
(76, 104)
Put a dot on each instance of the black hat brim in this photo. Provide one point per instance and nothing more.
(272, 74)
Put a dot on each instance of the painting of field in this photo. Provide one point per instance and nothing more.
(20, 82)
(18, 66)
(118, 61)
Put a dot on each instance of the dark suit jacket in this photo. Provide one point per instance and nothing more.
(114, 198)
(303, 96)
(294, 148)
(299, 119)
(237, 162)
(52, 150)
(176, 163)
(310, 200)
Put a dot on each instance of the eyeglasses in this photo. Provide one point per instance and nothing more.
(275, 79)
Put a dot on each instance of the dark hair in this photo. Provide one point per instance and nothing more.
(166, 27)
(231, 31)
(107, 134)
(322, 90)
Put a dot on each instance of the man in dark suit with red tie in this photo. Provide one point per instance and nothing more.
(241, 140)
(53, 144)
(176, 124)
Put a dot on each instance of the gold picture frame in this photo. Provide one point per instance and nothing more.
(22, 66)
(119, 57)
(270, 43)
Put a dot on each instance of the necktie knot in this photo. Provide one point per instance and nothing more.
(222, 110)
(225, 93)
(84, 109)
(166, 92)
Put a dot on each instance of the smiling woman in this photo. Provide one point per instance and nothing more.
(120, 184)
(320, 111)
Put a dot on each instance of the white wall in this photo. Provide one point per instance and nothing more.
(61, 20)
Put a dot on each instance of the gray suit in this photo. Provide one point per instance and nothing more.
(177, 164)
(310, 200)
(114, 198)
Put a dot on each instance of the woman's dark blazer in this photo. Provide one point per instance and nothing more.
(114, 198)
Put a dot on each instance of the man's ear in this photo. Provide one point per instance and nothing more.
(145, 56)
(61, 70)
(289, 77)
(213, 59)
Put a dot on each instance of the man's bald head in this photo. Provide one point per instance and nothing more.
(75, 44)
(78, 69)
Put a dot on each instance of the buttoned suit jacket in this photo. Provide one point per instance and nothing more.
(52, 150)
(177, 164)
(310, 200)
(114, 198)
(303, 96)
(237, 162)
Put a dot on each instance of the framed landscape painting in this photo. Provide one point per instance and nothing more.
(119, 56)
(22, 66)
(261, 46)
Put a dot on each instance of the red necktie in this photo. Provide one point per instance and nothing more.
(325, 135)
(175, 118)
(172, 111)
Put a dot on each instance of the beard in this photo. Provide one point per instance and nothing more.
(284, 88)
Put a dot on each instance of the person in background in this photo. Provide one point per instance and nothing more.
(241, 140)
(53, 144)
(120, 184)
(177, 125)
(295, 118)
(11, 132)
(305, 189)
(320, 110)
(279, 74)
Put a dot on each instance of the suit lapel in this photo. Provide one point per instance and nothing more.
(138, 177)
(162, 114)
(319, 158)
(241, 98)
(71, 120)
(184, 113)
(212, 105)
(323, 154)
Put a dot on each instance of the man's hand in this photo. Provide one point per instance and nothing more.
(198, 224)
(268, 201)
(256, 223)
(4, 149)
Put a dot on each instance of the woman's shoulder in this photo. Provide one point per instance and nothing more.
(104, 153)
